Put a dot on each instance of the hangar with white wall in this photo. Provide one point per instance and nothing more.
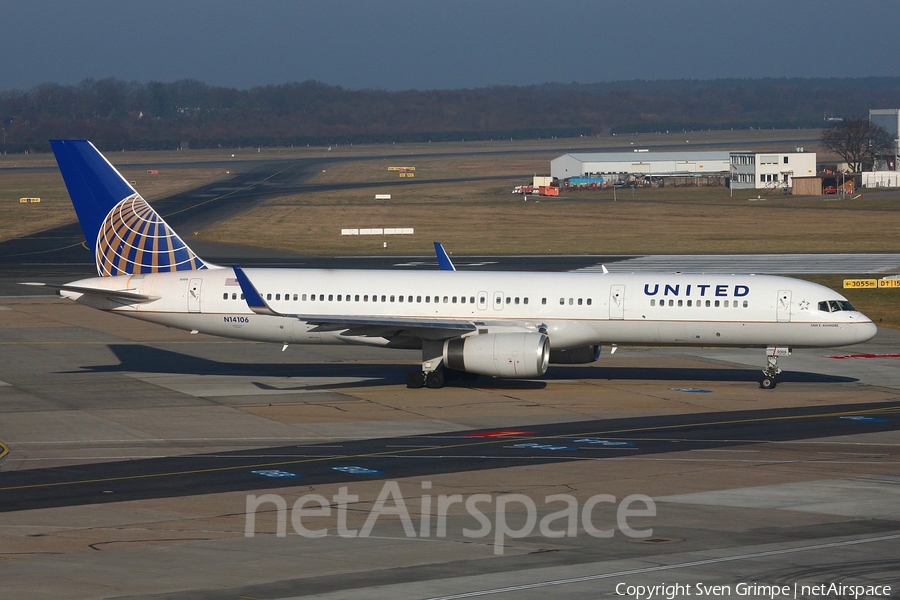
(745, 169)
(613, 166)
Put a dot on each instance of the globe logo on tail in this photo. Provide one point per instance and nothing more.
(133, 239)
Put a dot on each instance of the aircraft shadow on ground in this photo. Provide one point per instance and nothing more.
(137, 358)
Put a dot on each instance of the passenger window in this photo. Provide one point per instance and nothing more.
(392, 298)
(295, 297)
(445, 299)
(652, 301)
(400, 298)
(418, 298)
(268, 296)
(525, 301)
(383, 299)
(589, 301)
(356, 297)
(453, 300)
(562, 301)
(233, 296)
(726, 304)
(225, 296)
(543, 301)
(330, 297)
(681, 303)
(579, 301)
(462, 299)
(321, 297)
(746, 304)
(717, 304)
(690, 302)
(409, 298)
(339, 298)
(671, 303)
(427, 299)
(707, 304)
(508, 299)
(571, 301)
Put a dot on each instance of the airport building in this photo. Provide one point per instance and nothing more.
(744, 169)
(759, 171)
(889, 118)
(620, 166)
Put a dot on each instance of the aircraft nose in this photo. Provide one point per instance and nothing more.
(865, 330)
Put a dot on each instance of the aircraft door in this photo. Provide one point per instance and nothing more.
(194, 295)
(617, 302)
(783, 309)
(482, 300)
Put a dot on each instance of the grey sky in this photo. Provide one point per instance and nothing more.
(395, 45)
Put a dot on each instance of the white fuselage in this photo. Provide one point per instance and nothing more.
(574, 309)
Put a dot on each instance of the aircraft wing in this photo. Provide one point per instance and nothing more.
(113, 295)
(373, 326)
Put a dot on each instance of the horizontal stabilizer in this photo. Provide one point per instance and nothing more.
(119, 295)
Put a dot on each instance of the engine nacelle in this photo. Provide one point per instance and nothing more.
(499, 354)
(575, 356)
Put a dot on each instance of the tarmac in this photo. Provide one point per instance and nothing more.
(171, 436)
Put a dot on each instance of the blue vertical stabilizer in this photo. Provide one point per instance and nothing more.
(124, 233)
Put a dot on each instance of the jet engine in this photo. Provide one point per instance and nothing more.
(575, 356)
(499, 354)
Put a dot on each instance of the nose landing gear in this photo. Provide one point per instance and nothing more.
(771, 371)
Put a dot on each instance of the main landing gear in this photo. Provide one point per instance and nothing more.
(432, 373)
(433, 379)
(771, 371)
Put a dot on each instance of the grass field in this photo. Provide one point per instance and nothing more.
(483, 217)
(55, 208)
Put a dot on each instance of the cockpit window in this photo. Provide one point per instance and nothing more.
(835, 306)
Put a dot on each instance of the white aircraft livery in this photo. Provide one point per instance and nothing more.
(500, 324)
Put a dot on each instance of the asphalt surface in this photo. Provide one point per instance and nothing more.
(428, 455)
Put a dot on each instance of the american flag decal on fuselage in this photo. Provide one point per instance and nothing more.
(134, 239)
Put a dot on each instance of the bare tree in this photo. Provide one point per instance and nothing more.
(858, 142)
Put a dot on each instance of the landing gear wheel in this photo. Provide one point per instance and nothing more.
(435, 379)
(767, 383)
(415, 380)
